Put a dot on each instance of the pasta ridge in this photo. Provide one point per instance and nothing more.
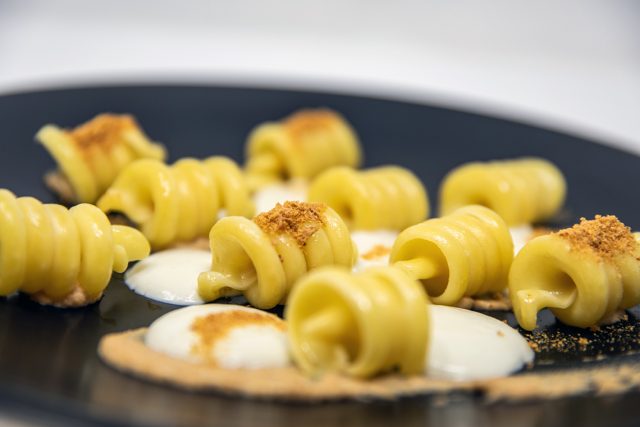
(350, 323)
(466, 253)
(300, 146)
(580, 288)
(263, 266)
(386, 197)
(92, 155)
(48, 249)
(521, 191)
(180, 202)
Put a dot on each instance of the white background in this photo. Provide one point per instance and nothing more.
(572, 65)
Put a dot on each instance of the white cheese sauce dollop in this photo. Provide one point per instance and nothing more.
(520, 235)
(170, 276)
(267, 197)
(466, 345)
(374, 247)
(255, 342)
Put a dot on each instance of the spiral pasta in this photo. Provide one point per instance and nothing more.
(263, 257)
(466, 253)
(45, 248)
(180, 202)
(90, 156)
(300, 146)
(521, 191)
(388, 197)
(358, 324)
(583, 274)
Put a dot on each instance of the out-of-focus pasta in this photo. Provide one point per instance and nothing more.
(521, 191)
(388, 197)
(300, 146)
(49, 250)
(583, 274)
(466, 253)
(263, 257)
(90, 156)
(358, 324)
(181, 202)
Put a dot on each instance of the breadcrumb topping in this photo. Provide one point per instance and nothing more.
(605, 236)
(103, 130)
(299, 220)
(215, 326)
(309, 121)
(376, 252)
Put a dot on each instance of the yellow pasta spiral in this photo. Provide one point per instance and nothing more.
(91, 155)
(466, 253)
(521, 191)
(180, 202)
(358, 324)
(47, 248)
(583, 274)
(388, 197)
(262, 258)
(300, 146)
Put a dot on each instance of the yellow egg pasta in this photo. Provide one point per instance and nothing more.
(263, 257)
(387, 197)
(300, 146)
(47, 249)
(181, 202)
(90, 156)
(466, 253)
(521, 191)
(358, 324)
(584, 274)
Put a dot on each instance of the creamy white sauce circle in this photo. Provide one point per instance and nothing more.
(466, 345)
(170, 276)
(246, 346)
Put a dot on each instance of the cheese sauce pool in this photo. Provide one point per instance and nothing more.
(464, 345)
(170, 276)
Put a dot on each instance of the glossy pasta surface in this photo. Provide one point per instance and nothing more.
(388, 197)
(262, 258)
(45, 248)
(521, 191)
(583, 274)
(91, 155)
(358, 324)
(180, 202)
(300, 146)
(466, 253)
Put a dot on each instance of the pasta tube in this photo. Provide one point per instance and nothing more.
(466, 253)
(388, 197)
(521, 191)
(90, 156)
(181, 202)
(300, 146)
(358, 324)
(583, 274)
(49, 250)
(263, 257)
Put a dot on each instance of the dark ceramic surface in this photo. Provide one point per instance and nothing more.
(49, 371)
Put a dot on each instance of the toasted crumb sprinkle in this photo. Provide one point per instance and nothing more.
(376, 252)
(299, 220)
(215, 326)
(102, 130)
(309, 121)
(604, 236)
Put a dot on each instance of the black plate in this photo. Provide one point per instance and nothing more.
(49, 370)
